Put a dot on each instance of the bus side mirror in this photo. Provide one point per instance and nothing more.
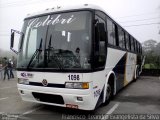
(15, 37)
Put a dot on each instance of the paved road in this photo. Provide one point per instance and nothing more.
(141, 97)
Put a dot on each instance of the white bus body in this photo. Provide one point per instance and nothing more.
(48, 70)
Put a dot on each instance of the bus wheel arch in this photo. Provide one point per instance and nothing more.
(109, 84)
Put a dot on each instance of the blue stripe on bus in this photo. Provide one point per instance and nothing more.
(100, 99)
(119, 70)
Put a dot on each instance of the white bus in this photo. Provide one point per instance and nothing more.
(76, 57)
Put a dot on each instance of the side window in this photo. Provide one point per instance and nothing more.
(121, 38)
(100, 42)
(141, 49)
(32, 42)
(136, 46)
(132, 44)
(127, 41)
(130, 47)
(111, 32)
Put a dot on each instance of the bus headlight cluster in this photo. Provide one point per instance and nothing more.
(23, 81)
(77, 85)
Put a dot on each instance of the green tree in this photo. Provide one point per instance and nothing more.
(151, 50)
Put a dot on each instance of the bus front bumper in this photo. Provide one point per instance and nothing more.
(64, 97)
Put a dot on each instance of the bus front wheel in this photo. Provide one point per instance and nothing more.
(109, 93)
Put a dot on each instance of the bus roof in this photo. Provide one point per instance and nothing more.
(65, 8)
(75, 7)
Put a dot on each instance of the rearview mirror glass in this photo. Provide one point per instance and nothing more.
(15, 46)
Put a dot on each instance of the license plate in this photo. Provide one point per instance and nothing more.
(72, 106)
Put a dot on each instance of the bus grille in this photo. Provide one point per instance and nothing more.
(48, 98)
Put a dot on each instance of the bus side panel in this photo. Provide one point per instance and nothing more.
(116, 60)
(123, 64)
(98, 87)
(130, 68)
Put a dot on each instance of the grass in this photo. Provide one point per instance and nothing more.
(151, 66)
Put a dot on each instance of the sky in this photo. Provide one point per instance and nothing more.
(141, 18)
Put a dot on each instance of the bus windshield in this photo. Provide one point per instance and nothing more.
(57, 41)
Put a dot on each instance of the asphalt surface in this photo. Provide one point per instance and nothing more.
(140, 97)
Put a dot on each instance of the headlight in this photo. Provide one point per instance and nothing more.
(23, 81)
(77, 85)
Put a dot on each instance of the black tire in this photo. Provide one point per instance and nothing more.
(109, 93)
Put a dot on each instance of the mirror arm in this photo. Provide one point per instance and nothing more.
(14, 51)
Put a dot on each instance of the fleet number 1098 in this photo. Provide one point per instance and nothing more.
(73, 77)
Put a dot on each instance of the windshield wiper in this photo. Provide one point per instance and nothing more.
(35, 54)
(50, 48)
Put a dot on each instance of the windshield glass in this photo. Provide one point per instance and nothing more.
(58, 41)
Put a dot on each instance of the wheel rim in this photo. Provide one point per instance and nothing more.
(108, 92)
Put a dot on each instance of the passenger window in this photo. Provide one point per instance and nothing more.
(135, 42)
(127, 41)
(111, 32)
(121, 38)
(136, 46)
(132, 44)
(100, 42)
(130, 47)
(141, 49)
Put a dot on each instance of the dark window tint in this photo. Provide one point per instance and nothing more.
(111, 32)
(127, 41)
(121, 38)
(100, 45)
(138, 47)
(135, 45)
(132, 44)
